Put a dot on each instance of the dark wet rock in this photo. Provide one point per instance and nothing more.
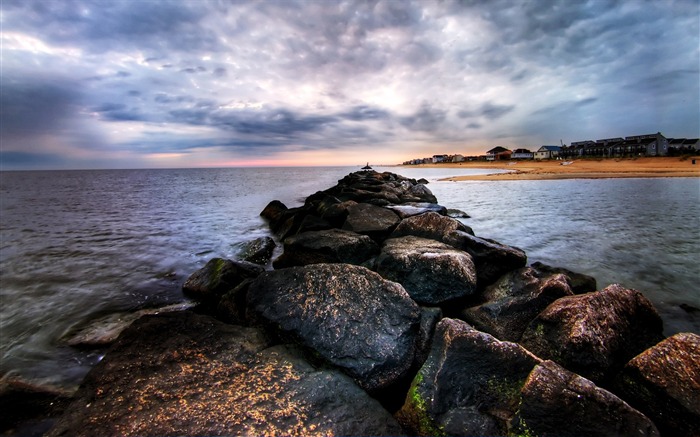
(429, 225)
(411, 209)
(430, 271)
(258, 251)
(557, 402)
(313, 223)
(595, 334)
(276, 213)
(188, 374)
(580, 283)
(430, 317)
(422, 181)
(329, 246)
(663, 382)
(689, 308)
(492, 259)
(373, 221)
(469, 385)
(217, 277)
(29, 409)
(232, 305)
(513, 301)
(349, 315)
(456, 213)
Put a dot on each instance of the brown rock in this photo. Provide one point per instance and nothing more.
(556, 402)
(664, 383)
(595, 334)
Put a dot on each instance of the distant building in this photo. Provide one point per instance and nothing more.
(439, 158)
(547, 152)
(498, 153)
(458, 158)
(522, 154)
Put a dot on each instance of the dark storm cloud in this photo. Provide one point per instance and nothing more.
(32, 106)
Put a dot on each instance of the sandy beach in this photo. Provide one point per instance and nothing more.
(645, 167)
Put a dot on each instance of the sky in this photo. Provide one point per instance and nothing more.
(150, 84)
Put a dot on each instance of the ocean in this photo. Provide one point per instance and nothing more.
(83, 246)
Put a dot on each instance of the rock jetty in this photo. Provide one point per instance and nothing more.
(386, 316)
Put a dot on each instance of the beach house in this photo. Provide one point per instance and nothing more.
(547, 152)
(498, 153)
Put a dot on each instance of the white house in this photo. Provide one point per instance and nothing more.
(547, 152)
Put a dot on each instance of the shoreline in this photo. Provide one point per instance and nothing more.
(645, 167)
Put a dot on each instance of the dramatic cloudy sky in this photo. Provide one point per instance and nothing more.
(177, 83)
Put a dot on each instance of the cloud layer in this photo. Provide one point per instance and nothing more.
(189, 83)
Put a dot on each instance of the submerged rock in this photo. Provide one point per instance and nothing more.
(430, 271)
(595, 334)
(217, 277)
(188, 374)
(329, 246)
(664, 383)
(514, 301)
(580, 283)
(556, 402)
(350, 316)
(469, 385)
(258, 251)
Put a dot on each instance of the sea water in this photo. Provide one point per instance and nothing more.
(76, 246)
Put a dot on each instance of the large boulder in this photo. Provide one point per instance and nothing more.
(595, 334)
(492, 259)
(188, 374)
(329, 246)
(349, 315)
(580, 283)
(371, 220)
(514, 300)
(429, 225)
(217, 277)
(557, 402)
(664, 383)
(469, 385)
(430, 271)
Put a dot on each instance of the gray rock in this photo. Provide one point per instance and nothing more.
(430, 271)
(456, 213)
(663, 382)
(469, 385)
(492, 259)
(373, 221)
(349, 315)
(556, 402)
(595, 334)
(411, 209)
(429, 225)
(329, 246)
(216, 278)
(187, 374)
(514, 301)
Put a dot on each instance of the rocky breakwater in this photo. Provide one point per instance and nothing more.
(385, 316)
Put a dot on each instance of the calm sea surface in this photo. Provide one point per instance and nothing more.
(76, 246)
